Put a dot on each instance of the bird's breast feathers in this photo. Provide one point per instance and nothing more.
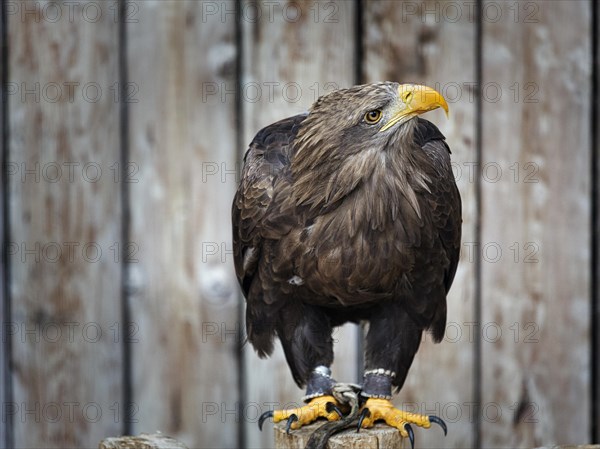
(362, 248)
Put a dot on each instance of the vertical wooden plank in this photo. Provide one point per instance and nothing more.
(536, 211)
(595, 282)
(65, 223)
(433, 43)
(181, 60)
(293, 53)
(596, 224)
(4, 305)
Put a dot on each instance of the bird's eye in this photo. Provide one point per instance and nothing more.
(373, 117)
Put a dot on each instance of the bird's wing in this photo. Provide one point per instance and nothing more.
(265, 161)
(444, 201)
(444, 207)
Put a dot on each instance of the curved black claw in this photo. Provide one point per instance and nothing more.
(440, 422)
(331, 407)
(262, 418)
(411, 435)
(366, 412)
(292, 419)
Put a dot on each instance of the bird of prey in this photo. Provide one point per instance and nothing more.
(349, 213)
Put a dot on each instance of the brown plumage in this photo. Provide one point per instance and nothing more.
(337, 219)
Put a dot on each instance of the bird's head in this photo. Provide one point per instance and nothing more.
(364, 116)
(347, 130)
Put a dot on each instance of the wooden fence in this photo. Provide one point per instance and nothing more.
(123, 125)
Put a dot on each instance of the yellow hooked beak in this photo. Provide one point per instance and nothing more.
(414, 100)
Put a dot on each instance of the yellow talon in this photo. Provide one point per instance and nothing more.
(316, 408)
(383, 409)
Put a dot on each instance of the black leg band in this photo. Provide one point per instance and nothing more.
(377, 383)
(320, 383)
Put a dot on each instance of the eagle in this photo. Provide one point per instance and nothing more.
(349, 213)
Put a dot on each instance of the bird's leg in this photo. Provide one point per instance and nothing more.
(319, 399)
(386, 368)
(377, 388)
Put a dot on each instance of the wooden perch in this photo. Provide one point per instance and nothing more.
(572, 446)
(144, 441)
(379, 437)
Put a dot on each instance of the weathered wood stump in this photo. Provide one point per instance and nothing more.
(573, 446)
(379, 437)
(144, 441)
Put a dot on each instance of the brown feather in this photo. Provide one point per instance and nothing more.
(335, 220)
